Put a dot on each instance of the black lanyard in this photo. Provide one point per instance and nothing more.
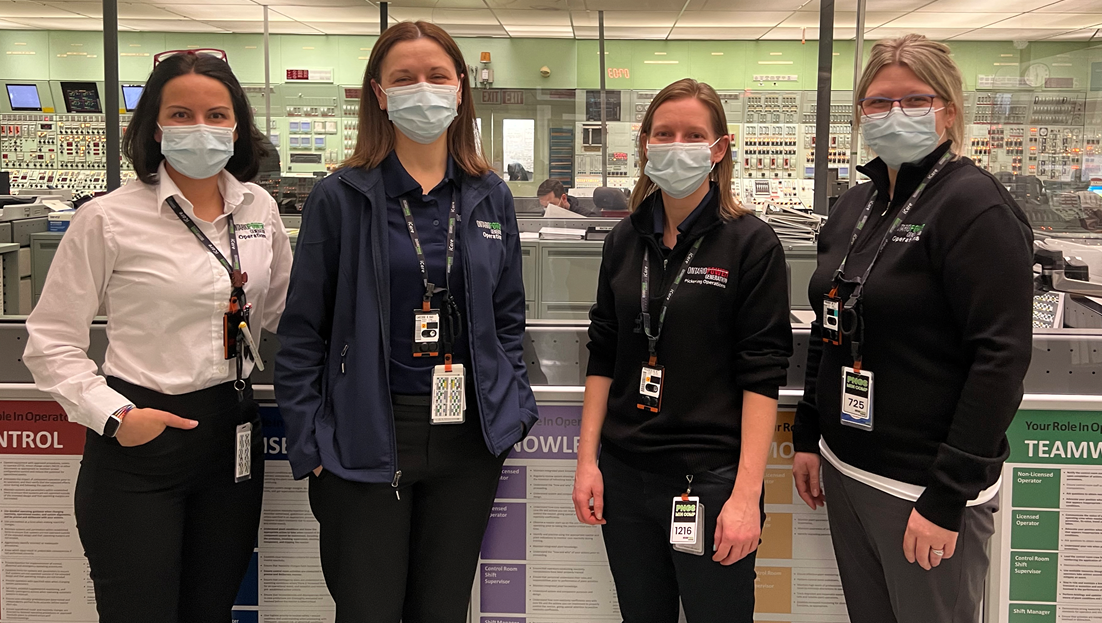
(852, 306)
(652, 339)
(451, 310)
(238, 278)
(839, 274)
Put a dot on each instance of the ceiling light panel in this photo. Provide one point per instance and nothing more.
(718, 34)
(228, 13)
(541, 32)
(60, 23)
(532, 18)
(843, 19)
(937, 34)
(126, 10)
(33, 10)
(841, 33)
(871, 5)
(710, 19)
(1065, 21)
(983, 6)
(286, 27)
(182, 25)
(641, 6)
(590, 32)
(361, 14)
(748, 5)
(923, 21)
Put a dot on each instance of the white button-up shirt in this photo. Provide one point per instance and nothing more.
(164, 292)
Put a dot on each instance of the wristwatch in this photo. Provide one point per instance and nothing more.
(111, 427)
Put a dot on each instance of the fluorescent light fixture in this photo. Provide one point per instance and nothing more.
(1006, 64)
(1007, 55)
(775, 62)
(717, 53)
(660, 62)
(659, 53)
(776, 54)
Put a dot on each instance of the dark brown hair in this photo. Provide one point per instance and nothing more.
(140, 145)
(729, 205)
(551, 186)
(376, 135)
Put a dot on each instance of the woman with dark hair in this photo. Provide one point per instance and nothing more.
(400, 378)
(191, 263)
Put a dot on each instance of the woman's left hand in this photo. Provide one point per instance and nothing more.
(924, 539)
(738, 529)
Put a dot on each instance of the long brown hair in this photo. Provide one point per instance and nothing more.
(376, 133)
(729, 206)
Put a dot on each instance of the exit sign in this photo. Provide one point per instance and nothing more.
(309, 75)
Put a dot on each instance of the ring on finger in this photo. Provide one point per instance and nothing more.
(938, 552)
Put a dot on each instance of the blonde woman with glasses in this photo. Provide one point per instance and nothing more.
(920, 344)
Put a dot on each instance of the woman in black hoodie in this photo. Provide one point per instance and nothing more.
(689, 343)
(921, 340)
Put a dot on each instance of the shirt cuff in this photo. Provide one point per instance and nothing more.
(100, 403)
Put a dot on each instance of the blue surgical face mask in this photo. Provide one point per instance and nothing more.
(679, 168)
(197, 151)
(422, 111)
(899, 139)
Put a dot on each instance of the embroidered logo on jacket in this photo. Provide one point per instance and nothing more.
(246, 231)
(908, 233)
(490, 229)
(707, 276)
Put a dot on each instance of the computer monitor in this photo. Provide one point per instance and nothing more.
(24, 97)
(81, 97)
(130, 95)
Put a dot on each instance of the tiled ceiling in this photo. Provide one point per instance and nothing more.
(1027, 20)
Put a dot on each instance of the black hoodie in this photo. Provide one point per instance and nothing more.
(727, 330)
(948, 314)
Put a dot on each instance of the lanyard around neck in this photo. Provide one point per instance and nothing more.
(907, 207)
(237, 277)
(652, 338)
(430, 288)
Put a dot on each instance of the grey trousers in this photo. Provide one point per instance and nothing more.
(867, 528)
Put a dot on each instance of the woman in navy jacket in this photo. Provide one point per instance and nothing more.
(402, 481)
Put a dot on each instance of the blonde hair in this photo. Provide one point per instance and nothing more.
(729, 205)
(931, 62)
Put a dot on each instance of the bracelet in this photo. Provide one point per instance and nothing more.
(121, 413)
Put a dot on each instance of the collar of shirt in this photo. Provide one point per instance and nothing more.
(398, 182)
(687, 224)
(234, 193)
(910, 175)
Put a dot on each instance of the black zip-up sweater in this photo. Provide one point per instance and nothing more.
(948, 333)
(727, 330)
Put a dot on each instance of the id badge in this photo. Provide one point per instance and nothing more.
(857, 398)
(686, 525)
(426, 333)
(243, 461)
(449, 397)
(832, 321)
(651, 382)
(231, 321)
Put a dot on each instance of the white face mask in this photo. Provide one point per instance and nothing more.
(679, 168)
(423, 111)
(197, 151)
(899, 139)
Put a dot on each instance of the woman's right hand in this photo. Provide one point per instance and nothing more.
(805, 471)
(589, 485)
(140, 426)
(317, 471)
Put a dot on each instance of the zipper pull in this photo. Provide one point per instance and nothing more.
(394, 483)
(344, 351)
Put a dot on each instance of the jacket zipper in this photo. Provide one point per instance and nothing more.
(394, 483)
(344, 353)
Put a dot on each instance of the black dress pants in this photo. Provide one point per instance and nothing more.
(167, 532)
(409, 555)
(650, 576)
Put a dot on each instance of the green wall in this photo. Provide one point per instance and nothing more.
(726, 65)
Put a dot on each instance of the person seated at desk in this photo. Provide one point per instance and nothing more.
(552, 194)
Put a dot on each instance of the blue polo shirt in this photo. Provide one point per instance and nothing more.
(408, 374)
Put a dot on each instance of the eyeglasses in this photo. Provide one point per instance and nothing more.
(914, 105)
(219, 54)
